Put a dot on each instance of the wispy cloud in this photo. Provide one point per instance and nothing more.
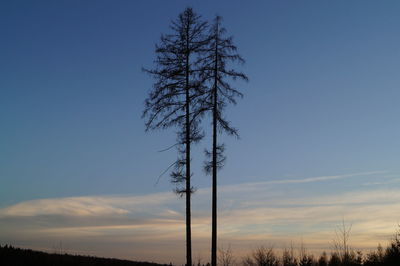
(304, 180)
(249, 214)
(385, 182)
(79, 206)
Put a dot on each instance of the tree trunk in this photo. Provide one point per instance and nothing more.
(214, 160)
(187, 137)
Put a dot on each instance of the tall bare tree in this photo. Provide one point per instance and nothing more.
(220, 54)
(175, 100)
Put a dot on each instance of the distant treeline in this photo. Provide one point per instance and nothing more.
(11, 256)
(341, 255)
(263, 256)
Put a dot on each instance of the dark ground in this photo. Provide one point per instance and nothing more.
(11, 256)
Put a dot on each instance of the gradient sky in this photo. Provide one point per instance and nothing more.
(319, 127)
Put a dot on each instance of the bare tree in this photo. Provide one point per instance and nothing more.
(221, 51)
(288, 257)
(305, 259)
(175, 101)
(265, 257)
(341, 242)
(225, 257)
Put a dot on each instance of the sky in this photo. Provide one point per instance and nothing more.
(318, 129)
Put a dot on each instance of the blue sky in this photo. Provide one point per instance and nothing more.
(322, 101)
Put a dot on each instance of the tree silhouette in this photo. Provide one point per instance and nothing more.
(341, 242)
(288, 257)
(392, 254)
(225, 257)
(221, 51)
(175, 100)
(263, 256)
(323, 259)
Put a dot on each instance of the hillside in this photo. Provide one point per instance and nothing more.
(11, 256)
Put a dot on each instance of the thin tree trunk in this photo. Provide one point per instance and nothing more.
(188, 187)
(214, 161)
